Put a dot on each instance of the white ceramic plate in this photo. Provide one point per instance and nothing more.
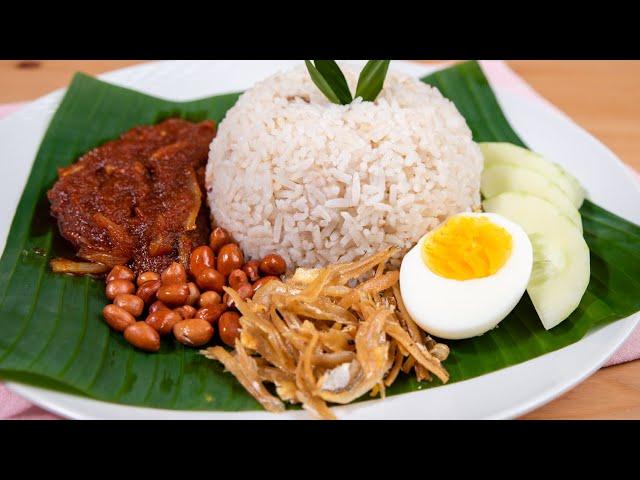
(503, 394)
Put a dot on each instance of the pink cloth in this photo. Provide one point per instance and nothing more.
(14, 407)
(8, 108)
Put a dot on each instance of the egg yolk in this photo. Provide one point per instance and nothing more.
(466, 247)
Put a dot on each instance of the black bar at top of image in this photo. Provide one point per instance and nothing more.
(402, 30)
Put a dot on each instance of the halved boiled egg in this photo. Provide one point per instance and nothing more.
(464, 277)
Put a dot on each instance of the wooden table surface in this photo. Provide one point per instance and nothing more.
(601, 96)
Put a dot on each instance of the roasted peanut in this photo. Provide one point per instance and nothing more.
(252, 269)
(147, 277)
(211, 314)
(245, 291)
(118, 287)
(208, 299)
(117, 317)
(142, 336)
(120, 272)
(163, 320)
(201, 258)
(230, 257)
(273, 264)
(173, 294)
(262, 281)
(229, 327)
(157, 305)
(147, 291)
(218, 238)
(210, 279)
(186, 311)
(193, 332)
(236, 278)
(131, 303)
(174, 273)
(194, 293)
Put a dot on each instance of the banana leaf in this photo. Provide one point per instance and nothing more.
(52, 334)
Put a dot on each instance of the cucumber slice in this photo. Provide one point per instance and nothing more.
(561, 267)
(498, 179)
(500, 153)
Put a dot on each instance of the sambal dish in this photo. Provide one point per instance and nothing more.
(137, 200)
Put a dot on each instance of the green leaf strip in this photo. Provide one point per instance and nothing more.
(322, 84)
(332, 74)
(371, 79)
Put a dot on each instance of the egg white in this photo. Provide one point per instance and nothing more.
(455, 309)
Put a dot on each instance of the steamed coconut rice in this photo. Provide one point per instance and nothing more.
(321, 183)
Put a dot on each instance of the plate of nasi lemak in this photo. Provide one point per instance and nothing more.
(308, 239)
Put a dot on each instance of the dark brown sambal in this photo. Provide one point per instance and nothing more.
(138, 200)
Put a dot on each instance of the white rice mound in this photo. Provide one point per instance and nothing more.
(318, 183)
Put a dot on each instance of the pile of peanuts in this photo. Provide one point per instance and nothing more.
(189, 309)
